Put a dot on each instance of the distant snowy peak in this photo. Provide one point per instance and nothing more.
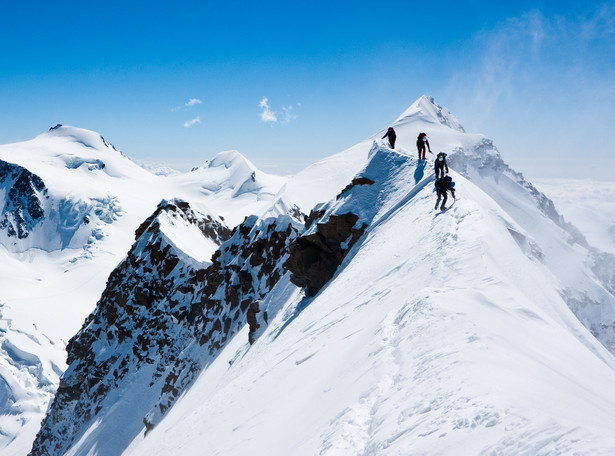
(82, 136)
(229, 170)
(65, 156)
(428, 110)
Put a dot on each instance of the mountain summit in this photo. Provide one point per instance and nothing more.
(428, 111)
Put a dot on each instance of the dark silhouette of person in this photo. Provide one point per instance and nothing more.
(440, 165)
(392, 137)
(421, 142)
(444, 185)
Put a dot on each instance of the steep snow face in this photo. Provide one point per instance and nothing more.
(440, 333)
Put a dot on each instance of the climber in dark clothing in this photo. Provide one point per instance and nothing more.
(440, 164)
(392, 137)
(421, 142)
(444, 185)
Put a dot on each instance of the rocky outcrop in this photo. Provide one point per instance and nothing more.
(356, 181)
(24, 195)
(160, 321)
(315, 257)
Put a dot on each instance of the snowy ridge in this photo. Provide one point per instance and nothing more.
(439, 333)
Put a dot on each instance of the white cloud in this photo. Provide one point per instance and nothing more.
(267, 115)
(188, 104)
(190, 123)
(288, 114)
(193, 101)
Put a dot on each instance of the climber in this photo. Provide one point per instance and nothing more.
(444, 185)
(440, 164)
(421, 141)
(392, 137)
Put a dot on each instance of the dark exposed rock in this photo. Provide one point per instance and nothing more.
(251, 317)
(315, 257)
(356, 181)
(314, 215)
(23, 207)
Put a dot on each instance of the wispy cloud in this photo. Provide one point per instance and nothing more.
(188, 104)
(190, 123)
(284, 116)
(288, 115)
(267, 115)
(193, 101)
(538, 83)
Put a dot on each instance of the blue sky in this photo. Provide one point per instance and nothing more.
(536, 77)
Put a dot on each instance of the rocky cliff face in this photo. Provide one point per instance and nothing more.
(161, 319)
(315, 257)
(23, 206)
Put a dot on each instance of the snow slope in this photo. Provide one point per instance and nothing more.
(441, 333)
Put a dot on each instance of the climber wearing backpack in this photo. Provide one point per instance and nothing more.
(444, 185)
(421, 142)
(440, 164)
(392, 137)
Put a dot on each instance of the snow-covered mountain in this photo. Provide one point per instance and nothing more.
(379, 326)
(69, 206)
